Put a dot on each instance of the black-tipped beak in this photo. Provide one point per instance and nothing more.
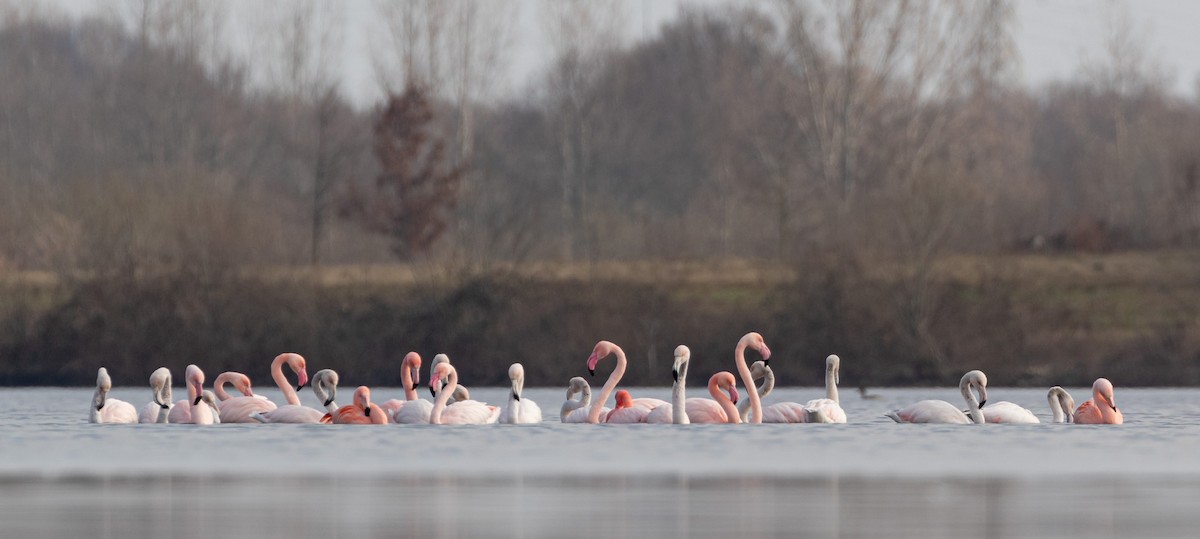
(414, 386)
(367, 411)
(592, 372)
(982, 402)
(164, 406)
(735, 400)
(328, 402)
(197, 401)
(766, 363)
(99, 406)
(432, 392)
(675, 374)
(516, 396)
(299, 387)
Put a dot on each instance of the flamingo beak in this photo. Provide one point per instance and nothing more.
(591, 363)
(733, 395)
(367, 411)
(301, 379)
(328, 401)
(99, 406)
(163, 405)
(766, 353)
(675, 374)
(197, 400)
(516, 396)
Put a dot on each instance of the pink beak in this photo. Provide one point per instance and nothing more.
(733, 394)
(591, 363)
(766, 352)
(301, 379)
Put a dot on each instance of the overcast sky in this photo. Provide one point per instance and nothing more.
(1055, 37)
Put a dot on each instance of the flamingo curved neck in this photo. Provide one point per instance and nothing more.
(972, 403)
(768, 385)
(609, 386)
(289, 394)
(443, 394)
(410, 393)
(739, 357)
(731, 411)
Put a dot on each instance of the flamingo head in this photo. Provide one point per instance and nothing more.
(412, 360)
(516, 375)
(602, 350)
(624, 399)
(833, 364)
(195, 382)
(755, 340)
(975, 380)
(325, 384)
(241, 383)
(299, 366)
(440, 370)
(1102, 390)
(724, 381)
(160, 381)
(103, 386)
(683, 355)
(362, 399)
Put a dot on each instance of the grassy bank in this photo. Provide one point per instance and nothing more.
(1024, 319)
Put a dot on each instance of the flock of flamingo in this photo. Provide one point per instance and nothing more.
(452, 404)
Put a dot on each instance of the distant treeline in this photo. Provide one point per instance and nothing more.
(1068, 328)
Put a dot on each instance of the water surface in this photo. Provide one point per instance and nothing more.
(65, 477)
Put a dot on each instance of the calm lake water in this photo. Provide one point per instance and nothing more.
(63, 477)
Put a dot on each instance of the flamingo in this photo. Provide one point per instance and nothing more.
(935, 411)
(362, 412)
(467, 412)
(410, 376)
(576, 411)
(638, 408)
(1007, 412)
(239, 409)
(519, 411)
(196, 409)
(106, 410)
(156, 410)
(676, 412)
(324, 386)
(751, 340)
(1061, 405)
(417, 411)
(293, 411)
(758, 371)
(1101, 408)
(827, 409)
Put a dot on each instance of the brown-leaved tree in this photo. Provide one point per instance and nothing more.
(412, 198)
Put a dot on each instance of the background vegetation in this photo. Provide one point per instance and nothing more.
(860, 178)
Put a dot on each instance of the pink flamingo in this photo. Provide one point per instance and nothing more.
(641, 407)
(362, 412)
(937, 411)
(755, 341)
(468, 412)
(1101, 408)
(576, 411)
(410, 376)
(758, 371)
(106, 410)
(157, 409)
(195, 410)
(417, 411)
(293, 411)
(239, 409)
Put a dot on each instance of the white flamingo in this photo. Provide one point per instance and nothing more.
(576, 411)
(466, 412)
(106, 410)
(936, 411)
(519, 411)
(157, 410)
(1061, 405)
(417, 411)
